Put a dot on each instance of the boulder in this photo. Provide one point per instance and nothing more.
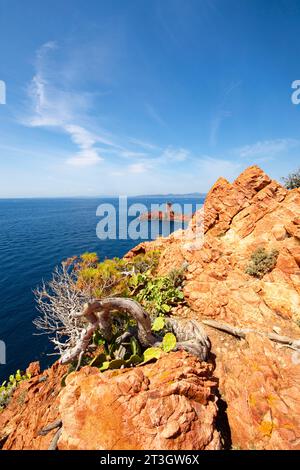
(33, 406)
(170, 404)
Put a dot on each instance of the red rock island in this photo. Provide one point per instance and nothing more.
(168, 214)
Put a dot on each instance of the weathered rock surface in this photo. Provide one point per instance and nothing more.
(33, 406)
(238, 218)
(261, 384)
(170, 404)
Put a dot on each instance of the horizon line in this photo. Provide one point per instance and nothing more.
(115, 196)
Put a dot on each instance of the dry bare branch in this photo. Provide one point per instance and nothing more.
(70, 317)
(57, 302)
(242, 332)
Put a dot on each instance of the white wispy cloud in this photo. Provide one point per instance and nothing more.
(171, 154)
(143, 144)
(132, 154)
(140, 167)
(153, 113)
(266, 148)
(222, 113)
(53, 107)
(88, 155)
(215, 125)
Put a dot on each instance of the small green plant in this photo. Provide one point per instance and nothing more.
(8, 387)
(157, 294)
(261, 262)
(111, 277)
(169, 342)
(158, 324)
(152, 353)
(116, 354)
(292, 181)
(177, 276)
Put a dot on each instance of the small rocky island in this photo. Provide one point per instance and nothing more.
(167, 215)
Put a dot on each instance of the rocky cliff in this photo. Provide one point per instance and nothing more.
(259, 380)
(247, 395)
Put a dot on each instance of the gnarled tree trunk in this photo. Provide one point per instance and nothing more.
(98, 313)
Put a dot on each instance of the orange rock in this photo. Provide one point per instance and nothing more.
(33, 369)
(258, 381)
(33, 406)
(170, 404)
(261, 386)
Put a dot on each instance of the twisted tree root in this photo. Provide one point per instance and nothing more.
(50, 427)
(54, 442)
(242, 332)
(98, 313)
(44, 431)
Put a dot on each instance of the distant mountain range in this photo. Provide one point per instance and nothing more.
(171, 195)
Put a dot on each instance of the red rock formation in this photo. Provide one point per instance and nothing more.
(167, 405)
(33, 406)
(238, 218)
(261, 385)
(168, 215)
(170, 404)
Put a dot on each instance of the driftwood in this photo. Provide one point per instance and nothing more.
(98, 314)
(242, 332)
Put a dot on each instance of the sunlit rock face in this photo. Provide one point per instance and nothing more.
(253, 212)
(170, 404)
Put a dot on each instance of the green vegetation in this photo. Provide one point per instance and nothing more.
(111, 277)
(135, 278)
(262, 262)
(158, 324)
(169, 342)
(85, 279)
(8, 387)
(292, 181)
(128, 353)
(157, 294)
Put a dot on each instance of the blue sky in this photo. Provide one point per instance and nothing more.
(145, 96)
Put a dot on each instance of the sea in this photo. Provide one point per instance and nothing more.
(36, 235)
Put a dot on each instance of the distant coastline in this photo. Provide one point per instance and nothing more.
(106, 196)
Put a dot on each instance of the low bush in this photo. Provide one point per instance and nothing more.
(8, 387)
(261, 262)
(111, 276)
(157, 294)
(292, 181)
(84, 279)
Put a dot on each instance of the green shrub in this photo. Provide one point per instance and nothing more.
(292, 181)
(111, 277)
(8, 387)
(89, 259)
(115, 355)
(157, 294)
(261, 262)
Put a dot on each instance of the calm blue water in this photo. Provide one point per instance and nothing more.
(35, 236)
